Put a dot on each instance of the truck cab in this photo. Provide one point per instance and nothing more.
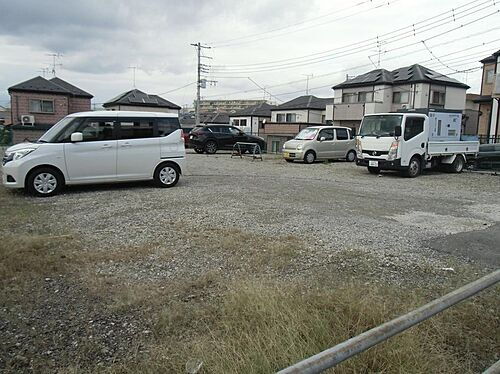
(411, 141)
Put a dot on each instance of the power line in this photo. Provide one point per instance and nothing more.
(380, 89)
(176, 89)
(411, 29)
(330, 84)
(383, 3)
(358, 49)
(461, 39)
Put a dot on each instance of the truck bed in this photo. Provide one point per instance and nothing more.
(452, 147)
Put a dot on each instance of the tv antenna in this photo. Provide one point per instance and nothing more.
(134, 68)
(55, 57)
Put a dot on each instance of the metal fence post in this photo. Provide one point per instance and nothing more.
(360, 343)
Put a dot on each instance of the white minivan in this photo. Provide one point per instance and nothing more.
(98, 147)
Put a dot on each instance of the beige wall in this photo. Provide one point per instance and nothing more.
(301, 114)
(484, 119)
(455, 98)
(487, 88)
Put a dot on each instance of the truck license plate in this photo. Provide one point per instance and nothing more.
(373, 164)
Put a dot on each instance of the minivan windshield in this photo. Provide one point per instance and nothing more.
(307, 134)
(379, 126)
(51, 135)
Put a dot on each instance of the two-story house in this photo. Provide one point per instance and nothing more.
(380, 90)
(39, 103)
(136, 100)
(489, 120)
(289, 118)
(251, 120)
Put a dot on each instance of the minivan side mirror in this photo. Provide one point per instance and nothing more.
(397, 131)
(76, 137)
(322, 139)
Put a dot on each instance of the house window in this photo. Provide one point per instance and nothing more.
(401, 97)
(365, 97)
(489, 76)
(281, 118)
(243, 122)
(437, 98)
(236, 122)
(291, 117)
(41, 106)
(349, 97)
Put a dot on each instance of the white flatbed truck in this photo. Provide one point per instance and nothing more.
(411, 142)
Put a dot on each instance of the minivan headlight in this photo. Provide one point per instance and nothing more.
(16, 155)
(300, 146)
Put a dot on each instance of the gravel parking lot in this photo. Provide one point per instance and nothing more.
(232, 219)
(331, 207)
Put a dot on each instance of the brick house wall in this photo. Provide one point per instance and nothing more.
(79, 104)
(63, 105)
(19, 135)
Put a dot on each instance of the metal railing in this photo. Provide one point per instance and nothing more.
(341, 352)
(483, 139)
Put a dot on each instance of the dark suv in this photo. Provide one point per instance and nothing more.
(211, 138)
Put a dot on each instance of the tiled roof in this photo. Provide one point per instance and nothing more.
(491, 58)
(262, 110)
(55, 85)
(409, 74)
(69, 87)
(138, 98)
(306, 102)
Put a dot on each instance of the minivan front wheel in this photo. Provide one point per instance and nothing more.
(44, 182)
(166, 175)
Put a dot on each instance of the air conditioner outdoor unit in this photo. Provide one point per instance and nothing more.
(496, 86)
(28, 120)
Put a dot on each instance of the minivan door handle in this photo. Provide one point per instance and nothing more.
(107, 146)
(126, 144)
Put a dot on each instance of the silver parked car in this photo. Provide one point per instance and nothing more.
(321, 143)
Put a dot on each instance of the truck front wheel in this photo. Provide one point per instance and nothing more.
(414, 167)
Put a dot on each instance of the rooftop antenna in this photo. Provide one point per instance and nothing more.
(134, 68)
(54, 64)
(308, 76)
(44, 71)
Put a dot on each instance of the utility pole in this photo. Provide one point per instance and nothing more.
(200, 83)
(308, 76)
(54, 65)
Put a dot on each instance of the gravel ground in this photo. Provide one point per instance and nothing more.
(331, 207)
(335, 218)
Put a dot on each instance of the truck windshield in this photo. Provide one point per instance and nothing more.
(379, 125)
(51, 135)
(306, 134)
